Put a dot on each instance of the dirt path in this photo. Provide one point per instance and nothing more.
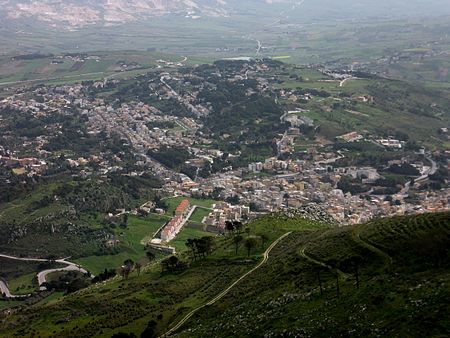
(357, 238)
(227, 290)
(317, 262)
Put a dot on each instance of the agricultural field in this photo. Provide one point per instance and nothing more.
(64, 68)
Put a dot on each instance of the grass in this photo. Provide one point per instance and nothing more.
(199, 214)
(24, 284)
(17, 210)
(133, 240)
(388, 303)
(185, 234)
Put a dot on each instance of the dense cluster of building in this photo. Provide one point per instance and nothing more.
(223, 212)
(266, 185)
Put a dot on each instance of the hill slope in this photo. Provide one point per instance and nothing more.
(87, 12)
(80, 13)
(396, 296)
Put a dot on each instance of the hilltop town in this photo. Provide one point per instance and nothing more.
(170, 122)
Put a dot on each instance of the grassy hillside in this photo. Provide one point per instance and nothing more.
(407, 110)
(396, 296)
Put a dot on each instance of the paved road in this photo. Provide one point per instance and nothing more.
(199, 113)
(227, 290)
(5, 290)
(70, 267)
(25, 259)
(258, 49)
(49, 79)
(434, 166)
(41, 275)
(431, 171)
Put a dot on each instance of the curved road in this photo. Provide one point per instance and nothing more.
(431, 171)
(5, 290)
(224, 292)
(41, 275)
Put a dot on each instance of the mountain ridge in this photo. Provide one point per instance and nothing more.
(77, 14)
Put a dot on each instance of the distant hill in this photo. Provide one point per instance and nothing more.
(72, 14)
(387, 278)
(80, 13)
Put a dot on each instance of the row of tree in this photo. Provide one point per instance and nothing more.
(200, 247)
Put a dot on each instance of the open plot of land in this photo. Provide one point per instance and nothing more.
(108, 65)
(185, 234)
(131, 244)
(199, 214)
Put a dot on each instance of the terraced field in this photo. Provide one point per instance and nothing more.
(405, 238)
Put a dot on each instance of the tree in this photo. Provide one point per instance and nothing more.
(205, 245)
(150, 255)
(337, 284)
(353, 263)
(200, 246)
(320, 269)
(250, 243)
(129, 263)
(126, 269)
(229, 226)
(124, 223)
(237, 240)
(138, 267)
(160, 203)
(77, 284)
(149, 331)
(123, 335)
(173, 264)
(264, 239)
(238, 226)
(190, 243)
(107, 274)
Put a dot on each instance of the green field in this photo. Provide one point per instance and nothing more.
(388, 302)
(132, 244)
(199, 214)
(173, 202)
(23, 285)
(185, 234)
(397, 107)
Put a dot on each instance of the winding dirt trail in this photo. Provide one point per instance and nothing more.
(356, 234)
(317, 262)
(227, 290)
